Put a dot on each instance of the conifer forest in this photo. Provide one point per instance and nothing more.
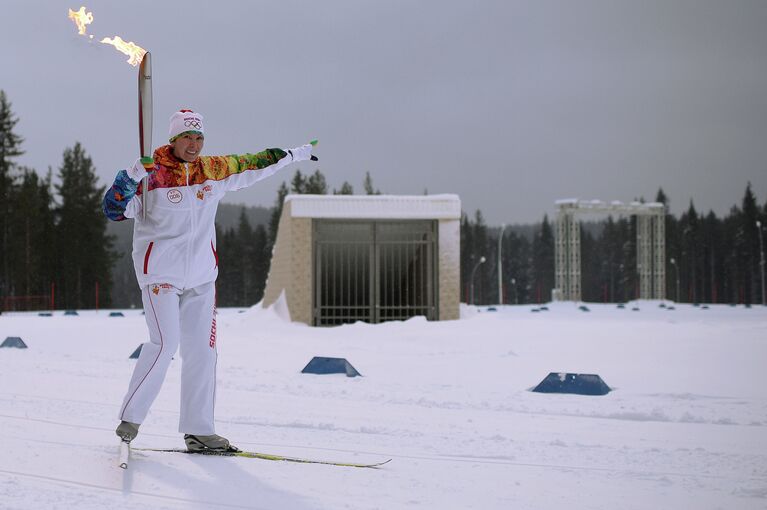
(57, 249)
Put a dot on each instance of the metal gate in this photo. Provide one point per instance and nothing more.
(374, 271)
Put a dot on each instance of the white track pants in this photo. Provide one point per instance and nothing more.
(177, 317)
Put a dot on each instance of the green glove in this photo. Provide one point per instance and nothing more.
(148, 163)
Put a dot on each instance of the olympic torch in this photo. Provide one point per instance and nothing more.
(145, 118)
(136, 54)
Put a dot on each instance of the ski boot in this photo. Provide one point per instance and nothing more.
(212, 443)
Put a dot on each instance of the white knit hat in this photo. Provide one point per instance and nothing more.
(185, 121)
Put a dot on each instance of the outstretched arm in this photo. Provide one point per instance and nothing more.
(241, 171)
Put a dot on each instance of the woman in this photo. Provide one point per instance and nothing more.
(174, 256)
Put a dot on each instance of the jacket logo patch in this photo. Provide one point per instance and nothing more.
(175, 196)
(202, 192)
(162, 287)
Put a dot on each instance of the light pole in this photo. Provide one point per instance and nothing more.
(676, 270)
(482, 260)
(500, 266)
(761, 259)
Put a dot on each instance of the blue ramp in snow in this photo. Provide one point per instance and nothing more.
(14, 341)
(320, 365)
(580, 384)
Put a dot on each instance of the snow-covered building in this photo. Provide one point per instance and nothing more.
(372, 258)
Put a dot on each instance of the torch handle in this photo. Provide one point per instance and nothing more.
(145, 117)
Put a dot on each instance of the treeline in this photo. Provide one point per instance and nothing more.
(708, 259)
(54, 250)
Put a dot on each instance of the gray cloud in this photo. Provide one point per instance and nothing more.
(512, 105)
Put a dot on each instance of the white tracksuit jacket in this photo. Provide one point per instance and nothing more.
(176, 242)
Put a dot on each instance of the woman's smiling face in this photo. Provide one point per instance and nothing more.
(187, 146)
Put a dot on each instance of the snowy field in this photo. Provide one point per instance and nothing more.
(449, 402)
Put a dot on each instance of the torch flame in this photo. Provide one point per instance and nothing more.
(135, 53)
(81, 19)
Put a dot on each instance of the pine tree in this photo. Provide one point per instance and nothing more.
(367, 185)
(690, 256)
(31, 230)
(731, 285)
(516, 258)
(712, 259)
(261, 260)
(316, 184)
(247, 253)
(543, 262)
(748, 247)
(479, 281)
(661, 198)
(10, 148)
(346, 189)
(298, 183)
(83, 246)
(467, 256)
(228, 286)
(761, 233)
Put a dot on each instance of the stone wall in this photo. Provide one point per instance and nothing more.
(449, 269)
(291, 267)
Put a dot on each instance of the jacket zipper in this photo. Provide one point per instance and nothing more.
(192, 232)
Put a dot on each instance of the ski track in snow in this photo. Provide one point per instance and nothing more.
(449, 402)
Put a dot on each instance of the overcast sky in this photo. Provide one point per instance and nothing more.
(509, 104)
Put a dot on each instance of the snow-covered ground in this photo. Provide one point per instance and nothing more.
(449, 402)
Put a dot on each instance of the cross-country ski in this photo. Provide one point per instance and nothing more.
(266, 456)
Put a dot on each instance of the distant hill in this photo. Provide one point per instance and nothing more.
(229, 215)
